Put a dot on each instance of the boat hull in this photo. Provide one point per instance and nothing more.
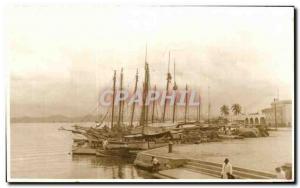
(83, 151)
(144, 145)
(112, 152)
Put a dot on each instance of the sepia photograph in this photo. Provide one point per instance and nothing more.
(139, 94)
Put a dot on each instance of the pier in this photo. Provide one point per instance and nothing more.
(204, 161)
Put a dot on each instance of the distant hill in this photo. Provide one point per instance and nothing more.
(54, 119)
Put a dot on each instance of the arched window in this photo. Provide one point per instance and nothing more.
(262, 121)
(256, 121)
(251, 120)
(246, 121)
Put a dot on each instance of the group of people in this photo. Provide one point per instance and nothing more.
(227, 130)
(283, 172)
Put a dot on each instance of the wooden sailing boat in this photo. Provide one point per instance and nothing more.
(129, 141)
(141, 137)
(91, 138)
(146, 136)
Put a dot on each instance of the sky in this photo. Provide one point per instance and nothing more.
(62, 56)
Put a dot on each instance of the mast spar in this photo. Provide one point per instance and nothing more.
(169, 77)
(147, 91)
(186, 102)
(120, 118)
(113, 100)
(133, 105)
(153, 105)
(174, 89)
(144, 113)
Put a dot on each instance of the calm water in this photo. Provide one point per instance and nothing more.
(39, 150)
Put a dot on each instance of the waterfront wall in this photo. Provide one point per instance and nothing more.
(213, 169)
(143, 160)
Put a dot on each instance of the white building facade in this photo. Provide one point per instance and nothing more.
(255, 119)
(282, 110)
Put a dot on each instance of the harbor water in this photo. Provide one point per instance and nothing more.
(41, 151)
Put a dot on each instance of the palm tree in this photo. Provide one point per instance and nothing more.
(224, 110)
(236, 109)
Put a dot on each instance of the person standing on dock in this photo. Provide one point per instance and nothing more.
(155, 164)
(104, 144)
(226, 170)
(280, 173)
(287, 169)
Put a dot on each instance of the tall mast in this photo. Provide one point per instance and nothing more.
(122, 109)
(113, 100)
(153, 105)
(174, 89)
(120, 102)
(199, 109)
(208, 110)
(167, 88)
(144, 117)
(186, 102)
(146, 94)
(147, 81)
(133, 105)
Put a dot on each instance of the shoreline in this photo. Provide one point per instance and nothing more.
(185, 168)
(252, 156)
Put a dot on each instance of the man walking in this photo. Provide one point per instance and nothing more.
(226, 170)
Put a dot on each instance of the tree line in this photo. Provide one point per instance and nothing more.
(235, 108)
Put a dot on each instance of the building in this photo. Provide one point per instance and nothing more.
(282, 110)
(255, 119)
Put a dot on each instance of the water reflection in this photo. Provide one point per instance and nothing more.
(35, 148)
(96, 161)
(118, 167)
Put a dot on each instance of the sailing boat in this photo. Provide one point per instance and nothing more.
(149, 134)
(89, 139)
(120, 141)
